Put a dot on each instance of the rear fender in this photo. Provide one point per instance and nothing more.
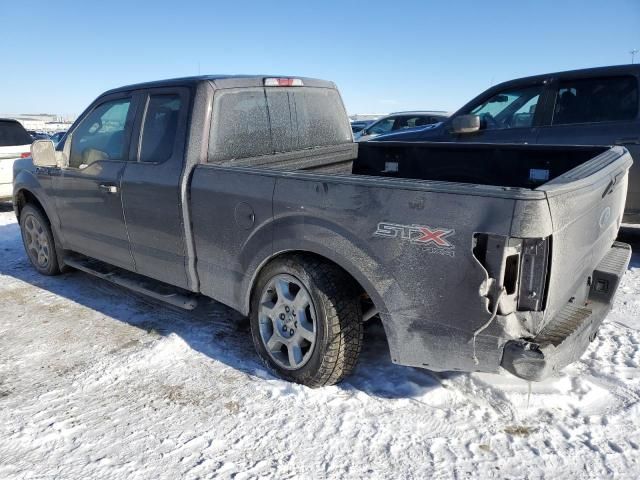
(297, 233)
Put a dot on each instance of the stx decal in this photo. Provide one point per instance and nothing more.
(419, 234)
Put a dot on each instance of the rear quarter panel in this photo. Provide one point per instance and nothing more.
(428, 295)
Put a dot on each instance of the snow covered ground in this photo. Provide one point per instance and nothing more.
(96, 382)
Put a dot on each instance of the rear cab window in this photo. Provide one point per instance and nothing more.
(13, 134)
(240, 125)
(253, 122)
(320, 117)
(596, 100)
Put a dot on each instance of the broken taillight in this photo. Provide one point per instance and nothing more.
(516, 267)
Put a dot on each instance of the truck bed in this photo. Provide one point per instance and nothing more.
(515, 166)
(518, 166)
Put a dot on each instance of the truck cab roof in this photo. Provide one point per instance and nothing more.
(220, 81)
(612, 70)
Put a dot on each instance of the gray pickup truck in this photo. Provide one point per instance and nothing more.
(251, 191)
(592, 106)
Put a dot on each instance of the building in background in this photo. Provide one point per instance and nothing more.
(365, 116)
(42, 122)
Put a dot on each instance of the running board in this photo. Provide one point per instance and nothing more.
(135, 282)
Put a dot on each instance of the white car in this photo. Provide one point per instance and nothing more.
(15, 143)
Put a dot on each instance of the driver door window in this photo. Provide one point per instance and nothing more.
(509, 109)
(101, 135)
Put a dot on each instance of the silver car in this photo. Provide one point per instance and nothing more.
(397, 121)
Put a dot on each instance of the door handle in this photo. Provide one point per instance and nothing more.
(108, 188)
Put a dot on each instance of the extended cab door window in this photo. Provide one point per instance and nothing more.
(596, 100)
(599, 111)
(159, 128)
(101, 135)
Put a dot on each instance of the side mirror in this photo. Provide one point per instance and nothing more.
(465, 124)
(43, 153)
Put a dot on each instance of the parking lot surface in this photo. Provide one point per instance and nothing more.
(96, 382)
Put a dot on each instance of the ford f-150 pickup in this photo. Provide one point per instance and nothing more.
(251, 191)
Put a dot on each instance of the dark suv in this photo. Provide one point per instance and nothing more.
(596, 106)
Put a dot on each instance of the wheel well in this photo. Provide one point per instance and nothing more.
(25, 197)
(365, 298)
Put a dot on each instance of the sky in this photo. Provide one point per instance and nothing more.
(56, 57)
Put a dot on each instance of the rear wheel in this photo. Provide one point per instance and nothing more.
(38, 240)
(306, 320)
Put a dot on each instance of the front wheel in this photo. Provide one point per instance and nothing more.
(38, 240)
(306, 320)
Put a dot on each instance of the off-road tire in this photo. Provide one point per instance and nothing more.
(338, 313)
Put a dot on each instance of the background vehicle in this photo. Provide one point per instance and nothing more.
(473, 256)
(357, 125)
(15, 143)
(400, 121)
(596, 106)
(56, 137)
(38, 135)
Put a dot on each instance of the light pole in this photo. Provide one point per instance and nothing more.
(633, 54)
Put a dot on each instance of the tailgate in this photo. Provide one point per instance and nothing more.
(586, 206)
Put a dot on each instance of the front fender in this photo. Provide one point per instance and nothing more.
(26, 182)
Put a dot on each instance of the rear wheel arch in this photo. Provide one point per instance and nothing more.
(366, 291)
(327, 338)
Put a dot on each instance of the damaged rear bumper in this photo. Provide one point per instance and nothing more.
(565, 338)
